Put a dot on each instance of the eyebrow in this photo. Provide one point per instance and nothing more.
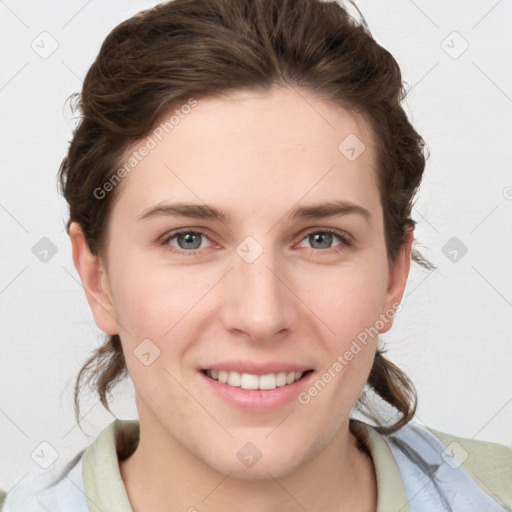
(208, 212)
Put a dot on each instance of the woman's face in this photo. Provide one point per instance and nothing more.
(264, 290)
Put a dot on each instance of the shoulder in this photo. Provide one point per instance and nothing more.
(488, 464)
(463, 472)
(66, 489)
(92, 478)
(48, 491)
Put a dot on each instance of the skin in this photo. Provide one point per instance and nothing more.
(256, 156)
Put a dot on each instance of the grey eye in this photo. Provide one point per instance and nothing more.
(189, 240)
(323, 239)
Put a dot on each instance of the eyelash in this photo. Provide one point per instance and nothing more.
(345, 242)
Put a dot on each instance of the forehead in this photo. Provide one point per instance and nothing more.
(252, 149)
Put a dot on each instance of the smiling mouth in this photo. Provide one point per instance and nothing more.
(250, 381)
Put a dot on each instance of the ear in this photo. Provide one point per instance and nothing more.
(397, 280)
(94, 281)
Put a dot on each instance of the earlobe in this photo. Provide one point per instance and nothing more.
(397, 281)
(94, 279)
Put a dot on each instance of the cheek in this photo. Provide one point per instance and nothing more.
(348, 301)
(149, 303)
(349, 305)
(159, 310)
(152, 309)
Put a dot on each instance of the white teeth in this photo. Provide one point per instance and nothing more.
(248, 381)
(268, 381)
(281, 378)
(251, 381)
(234, 379)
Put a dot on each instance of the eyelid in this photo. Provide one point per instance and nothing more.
(335, 231)
(346, 239)
(171, 234)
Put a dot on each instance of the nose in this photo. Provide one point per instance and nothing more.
(258, 302)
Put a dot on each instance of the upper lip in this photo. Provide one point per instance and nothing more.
(257, 369)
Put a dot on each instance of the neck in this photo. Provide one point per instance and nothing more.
(162, 475)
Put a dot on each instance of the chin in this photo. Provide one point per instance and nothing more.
(260, 471)
(248, 462)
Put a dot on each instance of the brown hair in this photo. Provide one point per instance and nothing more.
(161, 57)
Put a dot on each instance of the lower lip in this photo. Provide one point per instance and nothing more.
(256, 399)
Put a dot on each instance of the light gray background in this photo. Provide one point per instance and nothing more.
(453, 336)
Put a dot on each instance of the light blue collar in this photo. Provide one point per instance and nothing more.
(433, 478)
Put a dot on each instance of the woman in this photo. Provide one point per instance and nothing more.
(240, 190)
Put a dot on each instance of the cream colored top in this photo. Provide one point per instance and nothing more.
(477, 470)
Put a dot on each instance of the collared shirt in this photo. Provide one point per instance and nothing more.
(418, 469)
